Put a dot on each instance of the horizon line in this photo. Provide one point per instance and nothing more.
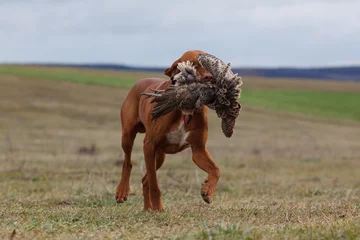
(164, 67)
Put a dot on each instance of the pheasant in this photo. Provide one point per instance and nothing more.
(189, 92)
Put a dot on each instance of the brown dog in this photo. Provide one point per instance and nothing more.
(169, 134)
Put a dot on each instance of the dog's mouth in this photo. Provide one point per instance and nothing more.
(186, 119)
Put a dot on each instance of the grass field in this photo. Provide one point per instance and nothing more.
(290, 171)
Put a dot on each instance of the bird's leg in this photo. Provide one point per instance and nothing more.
(148, 95)
(157, 91)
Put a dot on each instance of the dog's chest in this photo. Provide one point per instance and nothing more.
(178, 136)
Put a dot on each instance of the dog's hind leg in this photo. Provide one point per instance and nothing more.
(123, 188)
(130, 125)
(152, 187)
(159, 158)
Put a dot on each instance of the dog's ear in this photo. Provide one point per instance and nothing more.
(173, 70)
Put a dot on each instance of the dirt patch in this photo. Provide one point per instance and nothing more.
(91, 150)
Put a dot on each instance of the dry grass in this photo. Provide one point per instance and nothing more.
(283, 175)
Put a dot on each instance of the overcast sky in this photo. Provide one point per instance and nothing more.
(155, 33)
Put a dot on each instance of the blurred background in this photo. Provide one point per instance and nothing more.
(289, 171)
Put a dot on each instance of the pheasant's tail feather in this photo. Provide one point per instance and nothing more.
(165, 102)
(184, 97)
(165, 95)
(162, 108)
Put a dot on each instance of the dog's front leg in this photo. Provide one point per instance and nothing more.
(203, 160)
(152, 182)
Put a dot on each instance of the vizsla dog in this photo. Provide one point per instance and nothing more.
(169, 134)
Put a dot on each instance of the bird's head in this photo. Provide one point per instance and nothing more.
(191, 56)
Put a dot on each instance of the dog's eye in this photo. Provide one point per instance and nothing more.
(173, 82)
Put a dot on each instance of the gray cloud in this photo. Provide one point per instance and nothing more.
(247, 33)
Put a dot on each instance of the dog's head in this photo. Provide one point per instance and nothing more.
(192, 57)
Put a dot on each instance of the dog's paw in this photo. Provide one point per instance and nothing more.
(121, 194)
(120, 199)
(157, 208)
(207, 192)
(206, 197)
